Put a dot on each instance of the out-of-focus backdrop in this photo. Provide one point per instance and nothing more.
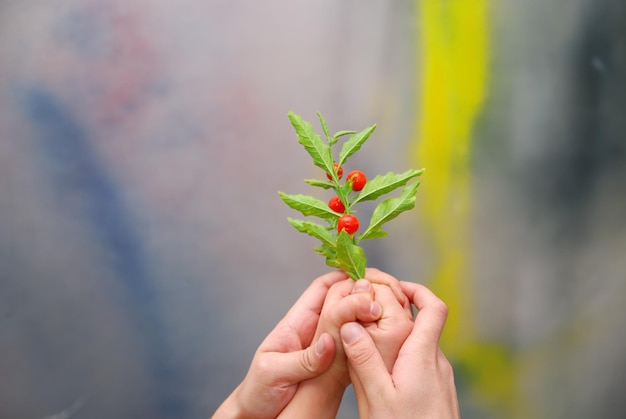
(145, 253)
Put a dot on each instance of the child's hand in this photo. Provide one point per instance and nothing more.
(344, 303)
(290, 355)
(321, 396)
(391, 330)
(421, 383)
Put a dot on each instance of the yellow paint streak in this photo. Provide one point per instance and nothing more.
(453, 85)
(453, 88)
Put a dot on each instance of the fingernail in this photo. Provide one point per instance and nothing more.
(350, 332)
(319, 347)
(375, 309)
(362, 285)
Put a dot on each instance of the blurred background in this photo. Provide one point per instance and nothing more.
(145, 253)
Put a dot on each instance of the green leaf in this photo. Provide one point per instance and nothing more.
(330, 253)
(383, 184)
(315, 230)
(331, 261)
(342, 133)
(375, 234)
(390, 209)
(324, 126)
(309, 205)
(354, 144)
(343, 193)
(324, 251)
(320, 183)
(350, 256)
(320, 153)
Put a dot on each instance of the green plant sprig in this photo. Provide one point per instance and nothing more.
(340, 247)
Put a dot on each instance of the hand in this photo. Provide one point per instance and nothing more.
(285, 358)
(321, 396)
(421, 383)
(391, 330)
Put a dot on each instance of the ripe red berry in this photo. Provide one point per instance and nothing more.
(357, 178)
(336, 205)
(349, 223)
(338, 170)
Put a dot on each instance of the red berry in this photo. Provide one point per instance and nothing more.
(349, 223)
(338, 170)
(357, 178)
(336, 205)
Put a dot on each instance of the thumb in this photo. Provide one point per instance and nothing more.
(365, 360)
(307, 363)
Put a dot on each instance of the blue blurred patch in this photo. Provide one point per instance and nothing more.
(75, 171)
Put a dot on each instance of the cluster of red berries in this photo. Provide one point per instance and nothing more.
(347, 222)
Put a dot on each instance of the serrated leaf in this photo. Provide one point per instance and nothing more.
(384, 184)
(342, 133)
(331, 261)
(309, 206)
(315, 230)
(354, 144)
(350, 256)
(324, 126)
(329, 253)
(331, 140)
(389, 209)
(326, 251)
(343, 192)
(376, 234)
(320, 183)
(317, 149)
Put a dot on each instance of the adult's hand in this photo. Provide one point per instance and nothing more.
(421, 383)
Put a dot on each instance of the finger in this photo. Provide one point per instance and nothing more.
(429, 322)
(294, 367)
(346, 287)
(351, 308)
(385, 296)
(365, 360)
(379, 277)
(312, 299)
(363, 286)
(303, 316)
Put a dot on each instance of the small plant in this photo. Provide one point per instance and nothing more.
(339, 238)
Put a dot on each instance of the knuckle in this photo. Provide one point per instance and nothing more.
(361, 304)
(360, 356)
(446, 368)
(265, 366)
(308, 361)
(355, 306)
(440, 308)
(444, 365)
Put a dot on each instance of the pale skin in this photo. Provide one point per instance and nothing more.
(420, 383)
(300, 370)
(321, 396)
(290, 354)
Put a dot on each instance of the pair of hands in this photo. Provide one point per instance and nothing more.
(304, 365)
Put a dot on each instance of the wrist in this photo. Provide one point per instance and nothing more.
(315, 399)
(231, 408)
